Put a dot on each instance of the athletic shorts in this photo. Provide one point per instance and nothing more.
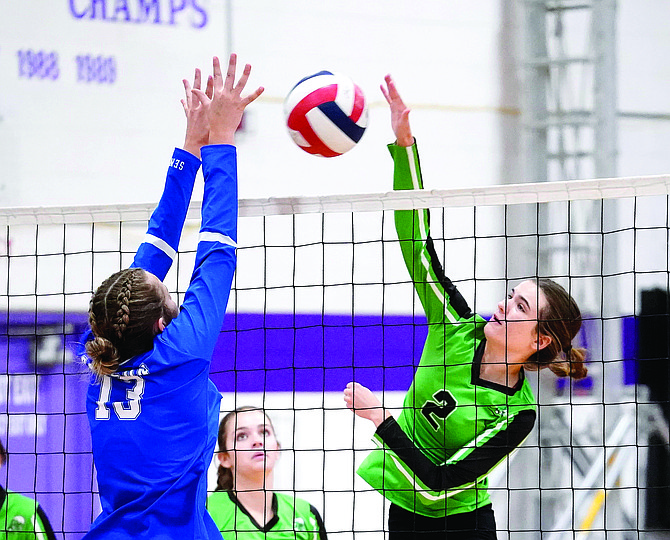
(477, 525)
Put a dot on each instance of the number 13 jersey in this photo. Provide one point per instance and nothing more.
(154, 422)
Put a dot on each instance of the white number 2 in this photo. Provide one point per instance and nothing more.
(128, 410)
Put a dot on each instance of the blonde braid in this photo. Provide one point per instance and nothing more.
(120, 322)
(122, 315)
(102, 351)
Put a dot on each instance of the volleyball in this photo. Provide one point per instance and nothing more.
(326, 114)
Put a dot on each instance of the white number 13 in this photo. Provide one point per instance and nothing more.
(128, 410)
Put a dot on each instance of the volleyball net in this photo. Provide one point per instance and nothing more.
(321, 297)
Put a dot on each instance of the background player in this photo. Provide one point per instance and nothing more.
(21, 517)
(469, 404)
(244, 505)
(152, 409)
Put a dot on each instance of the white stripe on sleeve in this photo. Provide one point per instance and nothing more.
(423, 226)
(207, 236)
(160, 244)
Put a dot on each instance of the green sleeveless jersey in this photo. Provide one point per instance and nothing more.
(454, 427)
(22, 518)
(293, 519)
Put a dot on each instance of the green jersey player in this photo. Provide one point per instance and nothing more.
(244, 505)
(21, 518)
(469, 404)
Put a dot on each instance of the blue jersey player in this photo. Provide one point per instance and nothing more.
(152, 409)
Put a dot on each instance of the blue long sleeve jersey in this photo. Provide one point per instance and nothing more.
(154, 422)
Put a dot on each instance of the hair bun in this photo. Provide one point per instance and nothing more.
(103, 354)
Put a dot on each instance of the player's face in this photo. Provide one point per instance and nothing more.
(253, 443)
(514, 324)
(170, 309)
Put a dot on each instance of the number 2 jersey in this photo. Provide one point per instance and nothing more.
(154, 422)
(454, 426)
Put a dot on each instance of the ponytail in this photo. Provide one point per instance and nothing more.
(224, 479)
(571, 364)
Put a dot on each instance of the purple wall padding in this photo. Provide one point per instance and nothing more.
(51, 460)
(255, 353)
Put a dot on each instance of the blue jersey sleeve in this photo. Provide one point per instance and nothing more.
(159, 248)
(195, 330)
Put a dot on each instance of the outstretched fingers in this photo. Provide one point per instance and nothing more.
(243, 79)
(217, 78)
(230, 74)
(223, 100)
(201, 96)
(253, 96)
(187, 88)
(210, 87)
(386, 90)
(186, 101)
(197, 78)
(242, 82)
(391, 91)
(385, 93)
(399, 112)
(228, 85)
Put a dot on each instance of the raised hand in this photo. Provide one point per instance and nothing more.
(197, 122)
(226, 105)
(399, 113)
(364, 403)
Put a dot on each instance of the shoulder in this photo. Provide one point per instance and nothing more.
(301, 513)
(218, 498)
(220, 507)
(16, 499)
(464, 335)
(287, 501)
(525, 397)
(463, 323)
(19, 510)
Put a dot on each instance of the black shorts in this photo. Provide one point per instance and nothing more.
(477, 525)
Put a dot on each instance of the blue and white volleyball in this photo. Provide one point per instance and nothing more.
(326, 114)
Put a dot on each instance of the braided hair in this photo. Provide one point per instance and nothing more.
(122, 315)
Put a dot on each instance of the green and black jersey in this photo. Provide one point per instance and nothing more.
(22, 518)
(454, 427)
(293, 519)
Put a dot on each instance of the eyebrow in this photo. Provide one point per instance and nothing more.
(241, 428)
(523, 299)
